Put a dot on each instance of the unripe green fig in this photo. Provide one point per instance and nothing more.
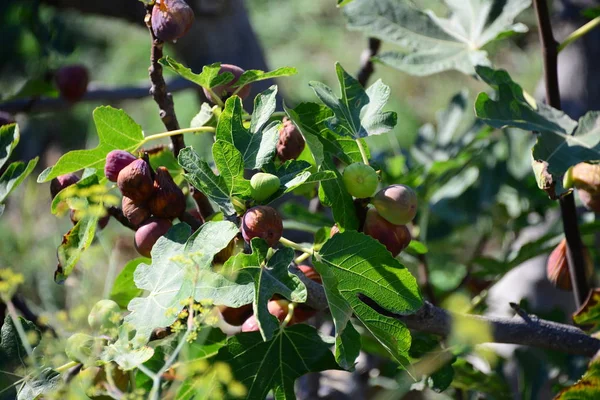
(394, 237)
(116, 160)
(105, 316)
(226, 90)
(396, 203)
(135, 181)
(80, 347)
(360, 180)
(147, 234)
(263, 185)
(263, 222)
(171, 19)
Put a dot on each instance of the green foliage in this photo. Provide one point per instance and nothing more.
(431, 43)
(124, 289)
(588, 316)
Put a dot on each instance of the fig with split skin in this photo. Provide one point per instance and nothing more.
(147, 234)
(360, 180)
(116, 160)
(225, 90)
(135, 214)
(397, 204)
(394, 237)
(263, 222)
(167, 201)
(171, 19)
(135, 181)
(291, 143)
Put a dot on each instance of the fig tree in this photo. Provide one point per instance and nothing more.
(135, 181)
(394, 237)
(226, 90)
(171, 19)
(360, 180)
(149, 233)
(105, 316)
(262, 222)
(291, 143)
(72, 81)
(167, 201)
(116, 160)
(263, 185)
(396, 203)
(60, 182)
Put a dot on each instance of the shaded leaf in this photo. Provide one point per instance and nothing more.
(124, 288)
(74, 243)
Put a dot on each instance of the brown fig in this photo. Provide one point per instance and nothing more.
(116, 160)
(262, 222)
(557, 266)
(171, 19)
(60, 182)
(168, 201)
(226, 90)
(291, 143)
(394, 237)
(135, 181)
(134, 213)
(586, 176)
(147, 234)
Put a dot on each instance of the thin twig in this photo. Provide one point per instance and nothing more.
(367, 68)
(575, 257)
(579, 33)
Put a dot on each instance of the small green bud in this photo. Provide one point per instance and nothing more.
(105, 316)
(361, 180)
(264, 185)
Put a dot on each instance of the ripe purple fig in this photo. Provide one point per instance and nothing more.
(147, 234)
(60, 182)
(116, 160)
(226, 90)
(6, 118)
(72, 81)
(396, 203)
(394, 237)
(135, 181)
(134, 213)
(171, 19)
(262, 222)
(557, 266)
(360, 180)
(591, 200)
(168, 201)
(291, 143)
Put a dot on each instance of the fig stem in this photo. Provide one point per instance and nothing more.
(295, 246)
(289, 316)
(302, 257)
(363, 152)
(215, 98)
(66, 366)
(236, 91)
(579, 33)
(175, 132)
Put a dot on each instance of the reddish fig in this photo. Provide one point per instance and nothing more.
(278, 308)
(59, 183)
(590, 200)
(263, 222)
(135, 181)
(116, 160)
(168, 201)
(134, 213)
(302, 312)
(251, 324)
(394, 237)
(396, 203)
(360, 180)
(291, 143)
(72, 81)
(6, 118)
(585, 176)
(226, 90)
(310, 273)
(557, 266)
(149, 233)
(236, 316)
(171, 19)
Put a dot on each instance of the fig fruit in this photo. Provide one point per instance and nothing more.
(590, 200)
(278, 308)
(263, 185)
(105, 316)
(557, 266)
(168, 201)
(134, 213)
(6, 118)
(310, 273)
(396, 203)
(60, 182)
(360, 180)
(72, 82)
(291, 143)
(335, 229)
(116, 160)
(586, 176)
(171, 19)
(251, 324)
(148, 234)
(262, 222)
(394, 237)
(135, 181)
(236, 316)
(80, 347)
(226, 90)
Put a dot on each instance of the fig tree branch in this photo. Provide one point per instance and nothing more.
(567, 203)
